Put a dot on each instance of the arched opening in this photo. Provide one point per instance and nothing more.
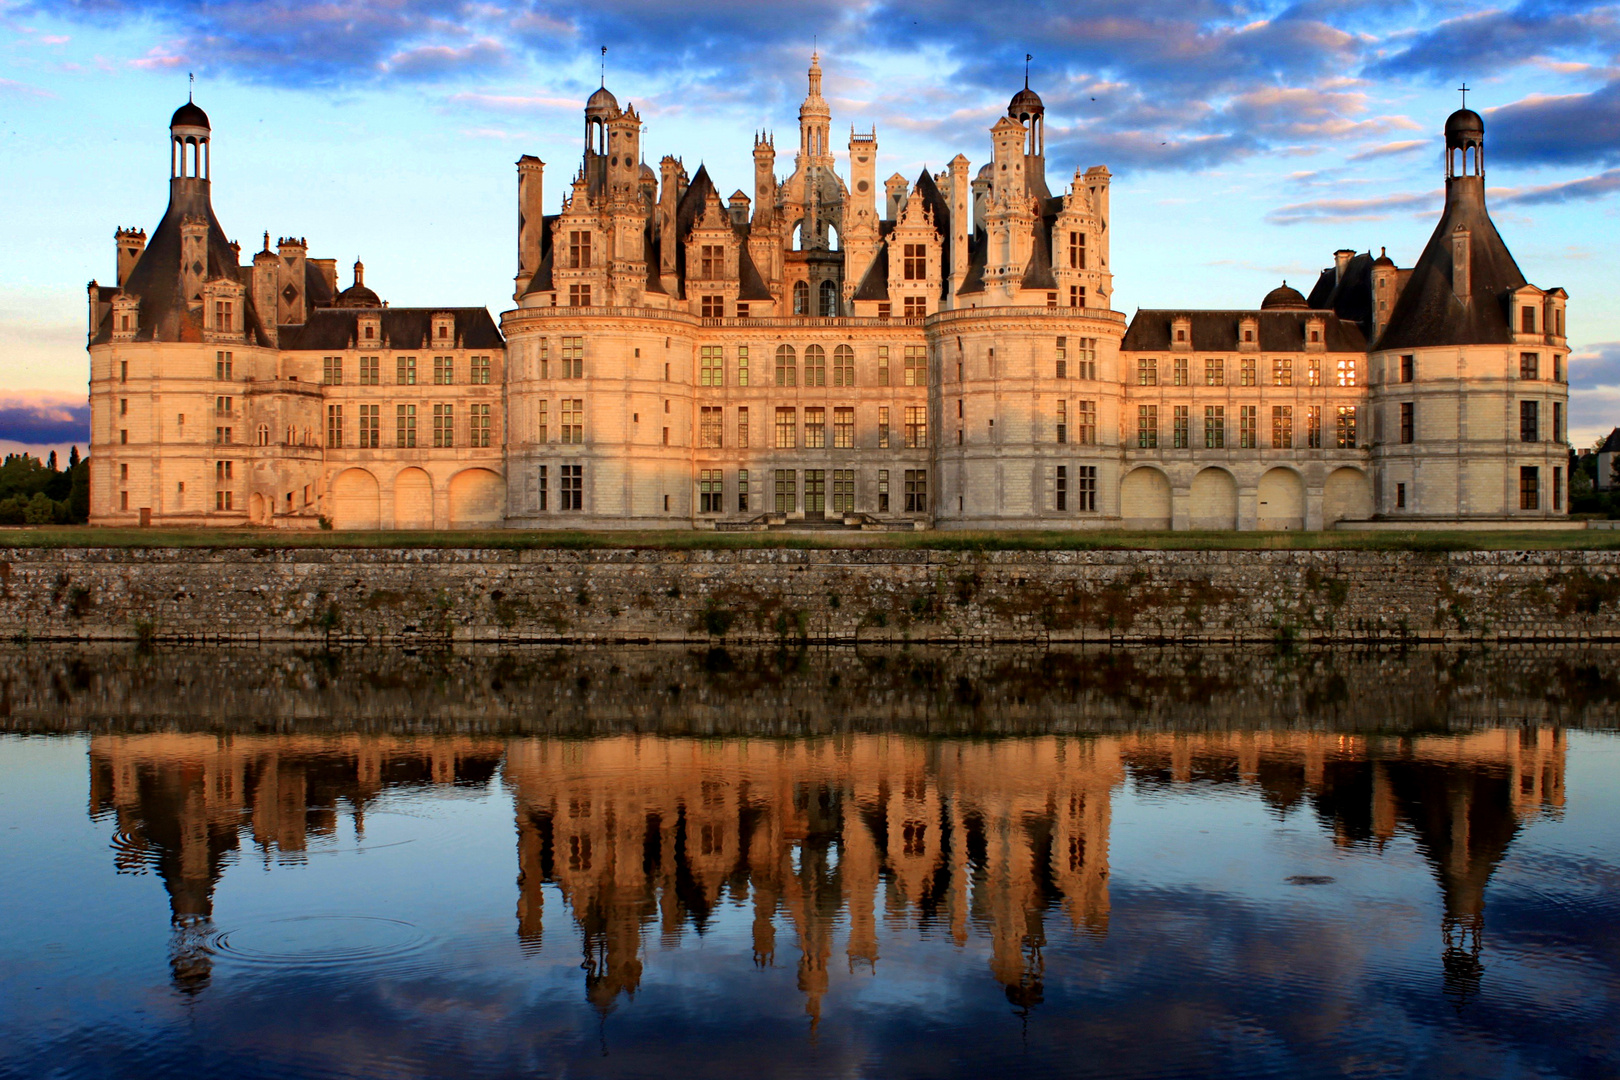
(829, 299)
(256, 510)
(835, 243)
(815, 365)
(1347, 496)
(263, 435)
(801, 298)
(798, 235)
(787, 366)
(413, 500)
(477, 499)
(355, 503)
(1468, 161)
(1281, 500)
(1212, 501)
(1144, 499)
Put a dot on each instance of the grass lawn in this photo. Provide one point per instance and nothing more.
(64, 536)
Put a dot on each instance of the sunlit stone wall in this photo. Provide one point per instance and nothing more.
(789, 596)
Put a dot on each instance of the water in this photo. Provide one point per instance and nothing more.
(899, 864)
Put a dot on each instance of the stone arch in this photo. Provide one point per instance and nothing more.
(1212, 500)
(477, 499)
(1347, 496)
(413, 500)
(1281, 500)
(256, 510)
(1144, 499)
(801, 298)
(355, 501)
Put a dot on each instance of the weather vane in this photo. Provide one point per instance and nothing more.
(1027, 59)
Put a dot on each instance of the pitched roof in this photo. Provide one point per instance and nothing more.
(875, 282)
(1218, 331)
(333, 329)
(1348, 295)
(1428, 312)
(1611, 445)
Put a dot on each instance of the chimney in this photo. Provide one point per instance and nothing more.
(531, 218)
(130, 244)
(738, 208)
(896, 188)
(291, 301)
(1341, 259)
(668, 199)
(264, 288)
(193, 256)
(960, 186)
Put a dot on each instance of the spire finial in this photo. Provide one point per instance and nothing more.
(1464, 89)
(604, 67)
(267, 239)
(191, 85)
(1027, 59)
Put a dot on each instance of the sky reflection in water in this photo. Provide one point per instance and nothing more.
(1256, 904)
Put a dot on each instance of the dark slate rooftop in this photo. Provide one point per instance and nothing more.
(1219, 331)
(333, 329)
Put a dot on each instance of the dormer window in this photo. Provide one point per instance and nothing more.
(1527, 320)
(1248, 336)
(370, 328)
(444, 329)
(1181, 335)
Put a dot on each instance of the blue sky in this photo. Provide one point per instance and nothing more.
(1247, 140)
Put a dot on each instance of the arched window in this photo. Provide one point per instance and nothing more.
(843, 366)
(829, 299)
(787, 365)
(815, 365)
(801, 298)
(264, 434)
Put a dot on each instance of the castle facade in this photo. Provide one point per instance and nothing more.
(942, 353)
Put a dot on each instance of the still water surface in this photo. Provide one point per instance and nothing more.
(353, 893)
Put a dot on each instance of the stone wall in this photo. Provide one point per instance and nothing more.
(782, 596)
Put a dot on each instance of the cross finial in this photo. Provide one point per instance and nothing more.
(604, 67)
(1464, 89)
(1027, 59)
(191, 83)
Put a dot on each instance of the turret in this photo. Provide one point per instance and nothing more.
(189, 138)
(862, 174)
(815, 121)
(764, 178)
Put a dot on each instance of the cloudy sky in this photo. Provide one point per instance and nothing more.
(1248, 140)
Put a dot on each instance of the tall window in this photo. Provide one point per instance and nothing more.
(1086, 419)
(915, 262)
(1062, 423)
(444, 426)
(370, 370)
(914, 307)
(1529, 365)
(883, 491)
(712, 366)
(843, 494)
(829, 299)
(711, 426)
(370, 427)
(480, 370)
(544, 488)
(1527, 320)
(444, 373)
(545, 358)
(883, 365)
(1077, 251)
(1247, 422)
(1147, 426)
(1179, 424)
(1408, 422)
(579, 295)
(1214, 427)
(742, 365)
(222, 366)
(815, 428)
(405, 371)
(573, 358)
(1313, 427)
(712, 261)
(573, 487)
(843, 366)
(1558, 423)
(742, 427)
(1180, 376)
(786, 491)
(712, 307)
(540, 417)
(1345, 437)
(1529, 417)
(1313, 372)
(787, 366)
(1408, 367)
(916, 491)
(1086, 358)
(1282, 371)
(844, 428)
(916, 426)
(579, 250)
(334, 426)
(479, 434)
(883, 427)
(1246, 368)
(1282, 427)
(1347, 372)
(815, 491)
(801, 298)
(1060, 499)
(405, 425)
(223, 406)
(742, 491)
(916, 365)
(1086, 493)
(1529, 487)
(1147, 371)
(573, 421)
(815, 366)
(1062, 357)
(1214, 372)
(787, 428)
(711, 492)
(331, 370)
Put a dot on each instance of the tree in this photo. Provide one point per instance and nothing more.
(73, 456)
(52, 463)
(79, 493)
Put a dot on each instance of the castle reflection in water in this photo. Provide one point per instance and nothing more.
(974, 838)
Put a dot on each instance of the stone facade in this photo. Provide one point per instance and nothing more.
(797, 353)
(785, 597)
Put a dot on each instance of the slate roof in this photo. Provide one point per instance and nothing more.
(1218, 331)
(875, 282)
(1611, 445)
(1428, 312)
(1349, 296)
(333, 329)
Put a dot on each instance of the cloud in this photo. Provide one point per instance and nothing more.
(1587, 187)
(1563, 130)
(1597, 365)
(513, 103)
(1494, 40)
(12, 87)
(1389, 150)
(1375, 209)
(441, 61)
(44, 419)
